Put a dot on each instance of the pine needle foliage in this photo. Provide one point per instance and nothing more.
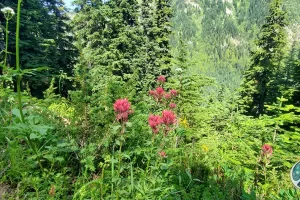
(262, 80)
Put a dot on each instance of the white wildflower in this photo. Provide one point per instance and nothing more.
(7, 10)
(178, 70)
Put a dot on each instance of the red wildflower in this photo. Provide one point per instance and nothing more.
(172, 105)
(122, 105)
(173, 92)
(161, 79)
(167, 96)
(168, 117)
(154, 122)
(122, 109)
(152, 93)
(122, 116)
(160, 91)
(267, 150)
(162, 154)
(157, 94)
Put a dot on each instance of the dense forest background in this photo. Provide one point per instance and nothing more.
(149, 99)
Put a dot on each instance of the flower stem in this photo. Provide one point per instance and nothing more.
(19, 79)
(18, 62)
(148, 163)
(6, 44)
(120, 157)
(112, 170)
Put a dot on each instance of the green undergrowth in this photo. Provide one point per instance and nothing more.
(216, 158)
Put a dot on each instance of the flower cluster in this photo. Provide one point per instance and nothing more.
(168, 96)
(173, 93)
(179, 70)
(168, 118)
(172, 105)
(162, 154)
(154, 122)
(267, 150)
(8, 12)
(184, 122)
(158, 93)
(122, 109)
(204, 148)
(161, 79)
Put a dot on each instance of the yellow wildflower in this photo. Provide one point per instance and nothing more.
(204, 148)
(184, 122)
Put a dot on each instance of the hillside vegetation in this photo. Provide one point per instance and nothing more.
(149, 99)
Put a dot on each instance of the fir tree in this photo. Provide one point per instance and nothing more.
(262, 80)
(125, 39)
(108, 37)
(45, 41)
(163, 31)
(149, 50)
(293, 78)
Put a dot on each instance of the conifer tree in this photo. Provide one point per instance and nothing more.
(125, 39)
(293, 78)
(149, 50)
(163, 23)
(108, 36)
(155, 22)
(262, 80)
(45, 41)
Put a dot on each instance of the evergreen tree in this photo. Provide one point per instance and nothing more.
(293, 72)
(45, 41)
(163, 31)
(190, 87)
(149, 50)
(155, 22)
(125, 39)
(262, 80)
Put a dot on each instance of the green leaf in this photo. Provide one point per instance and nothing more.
(115, 179)
(16, 112)
(235, 161)
(116, 128)
(126, 156)
(49, 157)
(42, 129)
(118, 142)
(189, 174)
(287, 164)
(21, 127)
(59, 159)
(197, 180)
(34, 136)
(129, 124)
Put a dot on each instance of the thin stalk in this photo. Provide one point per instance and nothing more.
(276, 124)
(176, 141)
(18, 61)
(131, 177)
(6, 44)
(121, 143)
(275, 133)
(120, 158)
(102, 180)
(148, 163)
(59, 87)
(19, 78)
(112, 171)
